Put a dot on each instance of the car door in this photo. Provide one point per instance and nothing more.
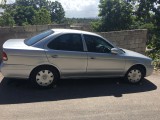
(101, 62)
(66, 52)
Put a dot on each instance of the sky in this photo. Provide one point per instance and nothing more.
(78, 8)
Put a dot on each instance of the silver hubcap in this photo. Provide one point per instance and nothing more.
(44, 77)
(134, 76)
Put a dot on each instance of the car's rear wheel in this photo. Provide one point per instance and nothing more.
(44, 77)
(135, 75)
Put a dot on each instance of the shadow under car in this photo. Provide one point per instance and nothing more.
(16, 91)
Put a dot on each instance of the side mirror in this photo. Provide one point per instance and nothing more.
(114, 51)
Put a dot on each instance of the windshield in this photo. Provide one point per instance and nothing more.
(35, 39)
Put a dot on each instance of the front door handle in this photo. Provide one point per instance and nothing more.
(92, 58)
(54, 56)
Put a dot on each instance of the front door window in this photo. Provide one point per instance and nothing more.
(97, 44)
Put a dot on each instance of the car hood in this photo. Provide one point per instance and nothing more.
(133, 54)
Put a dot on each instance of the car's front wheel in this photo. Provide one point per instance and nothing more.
(135, 75)
(44, 77)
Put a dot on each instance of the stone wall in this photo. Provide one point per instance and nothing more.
(130, 39)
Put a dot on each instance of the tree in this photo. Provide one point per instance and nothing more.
(55, 8)
(36, 4)
(115, 15)
(143, 12)
(57, 12)
(23, 11)
(148, 14)
(157, 16)
(6, 20)
(23, 15)
(41, 17)
(3, 2)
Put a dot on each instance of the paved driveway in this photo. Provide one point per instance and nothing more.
(95, 99)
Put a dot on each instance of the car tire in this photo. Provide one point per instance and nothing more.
(135, 75)
(44, 77)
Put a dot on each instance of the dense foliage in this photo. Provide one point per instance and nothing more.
(6, 20)
(115, 15)
(30, 12)
(148, 13)
(41, 17)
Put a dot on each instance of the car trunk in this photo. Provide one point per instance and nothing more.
(15, 44)
(20, 53)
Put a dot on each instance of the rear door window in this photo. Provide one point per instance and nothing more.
(67, 42)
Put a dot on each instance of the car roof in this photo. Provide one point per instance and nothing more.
(73, 31)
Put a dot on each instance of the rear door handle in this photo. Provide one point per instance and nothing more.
(54, 56)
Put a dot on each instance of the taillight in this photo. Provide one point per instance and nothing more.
(4, 56)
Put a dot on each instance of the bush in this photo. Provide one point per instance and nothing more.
(6, 20)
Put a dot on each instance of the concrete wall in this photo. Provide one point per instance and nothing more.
(130, 39)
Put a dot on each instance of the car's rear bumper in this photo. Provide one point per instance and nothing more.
(15, 71)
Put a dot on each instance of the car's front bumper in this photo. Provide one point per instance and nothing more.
(149, 70)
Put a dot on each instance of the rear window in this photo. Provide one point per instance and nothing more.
(36, 38)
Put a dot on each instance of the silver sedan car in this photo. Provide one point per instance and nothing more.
(63, 53)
